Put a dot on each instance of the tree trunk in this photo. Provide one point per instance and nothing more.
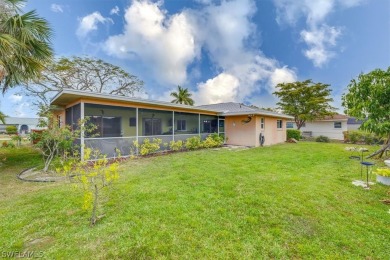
(381, 151)
(94, 208)
(48, 162)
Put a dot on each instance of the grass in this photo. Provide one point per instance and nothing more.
(284, 201)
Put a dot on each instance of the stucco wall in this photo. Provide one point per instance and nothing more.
(326, 128)
(239, 133)
(273, 135)
(248, 134)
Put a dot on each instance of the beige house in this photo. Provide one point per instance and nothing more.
(121, 120)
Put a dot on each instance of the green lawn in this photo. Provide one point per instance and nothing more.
(284, 201)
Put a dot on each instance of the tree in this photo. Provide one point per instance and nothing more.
(182, 96)
(92, 176)
(368, 99)
(82, 73)
(2, 117)
(305, 101)
(24, 44)
(53, 141)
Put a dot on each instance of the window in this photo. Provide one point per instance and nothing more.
(337, 124)
(105, 126)
(152, 126)
(133, 121)
(262, 123)
(279, 124)
(181, 125)
(290, 125)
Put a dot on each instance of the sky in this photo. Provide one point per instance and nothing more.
(222, 51)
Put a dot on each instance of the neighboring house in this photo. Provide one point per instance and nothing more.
(331, 126)
(353, 123)
(24, 125)
(122, 120)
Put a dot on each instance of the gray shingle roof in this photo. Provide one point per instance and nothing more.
(232, 108)
(228, 107)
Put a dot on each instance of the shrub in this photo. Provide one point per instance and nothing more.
(293, 133)
(383, 172)
(213, 140)
(357, 136)
(148, 147)
(17, 139)
(193, 143)
(11, 130)
(322, 139)
(354, 136)
(176, 146)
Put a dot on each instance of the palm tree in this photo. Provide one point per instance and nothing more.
(182, 96)
(24, 44)
(2, 118)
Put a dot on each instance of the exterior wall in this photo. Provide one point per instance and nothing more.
(352, 127)
(248, 134)
(241, 134)
(273, 135)
(326, 128)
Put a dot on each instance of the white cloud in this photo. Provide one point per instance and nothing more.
(15, 98)
(169, 44)
(222, 88)
(57, 8)
(320, 38)
(90, 23)
(166, 44)
(319, 41)
(22, 109)
(282, 75)
(114, 10)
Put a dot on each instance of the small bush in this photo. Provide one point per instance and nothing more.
(148, 147)
(383, 172)
(176, 146)
(322, 139)
(11, 130)
(362, 137)
(293, 133)
(17, 139)
(213, 140)
(193, 143)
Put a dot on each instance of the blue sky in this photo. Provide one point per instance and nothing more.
(222, 51)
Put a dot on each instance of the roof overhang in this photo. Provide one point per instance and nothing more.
(68, 96)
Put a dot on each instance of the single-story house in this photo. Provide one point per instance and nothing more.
(353, 123)
(122, 120)
(24, 125)
(331, 126)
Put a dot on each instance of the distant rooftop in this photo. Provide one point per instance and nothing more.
(354, 121)
(21, 121)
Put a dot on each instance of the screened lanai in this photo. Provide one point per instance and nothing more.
(117, 127)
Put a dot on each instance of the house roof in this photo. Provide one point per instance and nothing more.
(229, 107)
(336, 117)
(68, 96)
(20, 121)
(232, 108)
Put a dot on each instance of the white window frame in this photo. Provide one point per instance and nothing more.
(338, 122)
(180, 122)
(291, 124)
(279, 122)
(262, 122)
